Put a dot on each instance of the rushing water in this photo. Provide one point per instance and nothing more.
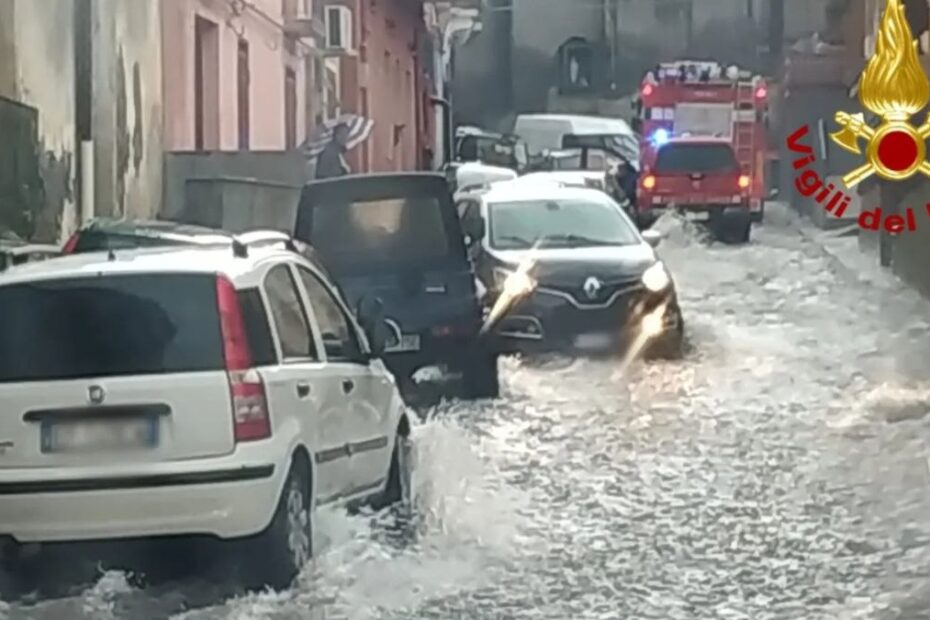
(779, 471)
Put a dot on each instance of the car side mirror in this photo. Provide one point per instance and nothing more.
(474, 229)
(371, 318)
(652, 237)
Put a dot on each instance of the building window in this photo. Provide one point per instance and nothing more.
(305, 9)
(243, 91)
(576, 64)
(206, 85)
(290, 109)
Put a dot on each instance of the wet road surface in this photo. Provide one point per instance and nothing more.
(779, 471)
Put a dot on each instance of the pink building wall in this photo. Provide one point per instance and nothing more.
(384, 80)
(261, 24)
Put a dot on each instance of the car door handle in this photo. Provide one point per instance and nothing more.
(303, 390)
(348, 385)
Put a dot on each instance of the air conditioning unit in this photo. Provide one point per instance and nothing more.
(339, 28)
(305, 9)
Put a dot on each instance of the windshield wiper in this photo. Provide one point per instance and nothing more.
(516, 239)
(580, 240)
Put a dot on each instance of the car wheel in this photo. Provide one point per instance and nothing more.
(733, 230)
(480, 376)
(277, 555)
(671, 346)
(399, 490)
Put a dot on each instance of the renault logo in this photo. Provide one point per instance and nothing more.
(96, 395)
(592, 286)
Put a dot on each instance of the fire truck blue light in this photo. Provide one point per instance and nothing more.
(660, 136)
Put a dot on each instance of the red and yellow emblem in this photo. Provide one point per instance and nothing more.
(894, 87)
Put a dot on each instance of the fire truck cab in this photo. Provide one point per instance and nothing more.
(702, 102)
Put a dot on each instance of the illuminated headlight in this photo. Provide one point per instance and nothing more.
(656, 278)
(513, 283)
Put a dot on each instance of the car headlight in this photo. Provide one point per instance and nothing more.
(656, 278)
(513, 283)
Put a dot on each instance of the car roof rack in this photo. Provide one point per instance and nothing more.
(242, 241)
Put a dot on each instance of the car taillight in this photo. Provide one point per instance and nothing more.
(744, 181)
(71, 244)
(249, 404)
(649, 182)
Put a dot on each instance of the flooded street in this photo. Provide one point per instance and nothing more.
(779, 471)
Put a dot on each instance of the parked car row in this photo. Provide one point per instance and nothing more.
(162, 379)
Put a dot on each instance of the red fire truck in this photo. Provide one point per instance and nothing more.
(702, 101)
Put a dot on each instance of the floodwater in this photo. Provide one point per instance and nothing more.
(779, 471)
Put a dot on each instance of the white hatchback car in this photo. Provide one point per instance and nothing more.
(224, 392)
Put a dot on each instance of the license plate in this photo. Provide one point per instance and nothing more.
(592, 341)
(408, 342)
(100, 435)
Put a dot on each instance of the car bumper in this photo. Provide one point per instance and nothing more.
(546, 322)
(228, 497)
(697, 210)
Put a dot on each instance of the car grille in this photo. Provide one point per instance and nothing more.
(607, 292)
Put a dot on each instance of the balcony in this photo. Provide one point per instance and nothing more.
(303, 19)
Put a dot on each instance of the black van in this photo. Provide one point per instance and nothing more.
(398, 237)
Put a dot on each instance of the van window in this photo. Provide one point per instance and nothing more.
(696, 158)
(109, 326)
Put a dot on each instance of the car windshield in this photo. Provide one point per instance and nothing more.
(384, 232)
(571, 222)
(696, 158)
(117, 325)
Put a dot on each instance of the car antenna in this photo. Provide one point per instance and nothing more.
(240, 250)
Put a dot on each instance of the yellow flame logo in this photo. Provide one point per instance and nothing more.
(893, 87)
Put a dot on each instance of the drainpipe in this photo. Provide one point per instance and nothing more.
(446, 138)
(87, 180)
(460, 21)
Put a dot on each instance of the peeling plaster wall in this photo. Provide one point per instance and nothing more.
(41, 74)
(127, 112)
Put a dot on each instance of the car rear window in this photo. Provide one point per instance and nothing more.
(109, 326)
(388, 231)
(700, 158)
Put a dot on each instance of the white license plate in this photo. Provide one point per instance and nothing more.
(592, 341)
(408, 342)
(100, 435)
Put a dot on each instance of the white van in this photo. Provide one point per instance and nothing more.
(545, 131)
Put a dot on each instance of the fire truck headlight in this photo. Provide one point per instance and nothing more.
(656, 278)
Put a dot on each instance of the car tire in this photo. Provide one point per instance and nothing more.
(277, 555)
(733, 230)
(480, 376)
(399, 490)
(670, 346)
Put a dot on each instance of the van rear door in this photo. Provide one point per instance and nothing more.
(396, 236)
(122, 367)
